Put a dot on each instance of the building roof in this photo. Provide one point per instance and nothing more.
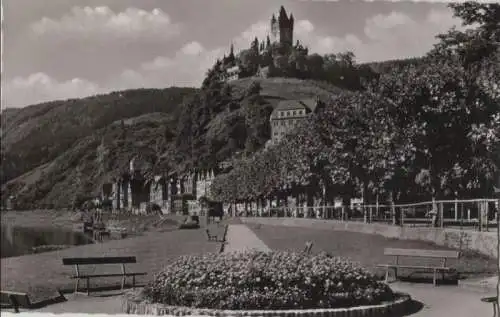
(309, 104)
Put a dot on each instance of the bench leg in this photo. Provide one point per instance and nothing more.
(14, 303)
(387, 275)
(434, 278)
(495, 309)
(133, 281)
(76, 285)
(123, 282)
(88, 286)
(395, 274)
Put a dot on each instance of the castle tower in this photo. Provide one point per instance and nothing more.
(285, 27)
(282, 28)
(274, 29)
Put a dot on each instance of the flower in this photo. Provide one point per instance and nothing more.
(264, 280)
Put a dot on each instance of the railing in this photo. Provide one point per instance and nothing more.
(478, 214)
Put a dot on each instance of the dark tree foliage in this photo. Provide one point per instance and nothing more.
(426, 128)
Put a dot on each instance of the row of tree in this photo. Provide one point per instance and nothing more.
(430, 129)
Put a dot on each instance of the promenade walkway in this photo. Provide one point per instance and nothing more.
(94, 304)
(240, 238)
(444, 301)
(436, 301)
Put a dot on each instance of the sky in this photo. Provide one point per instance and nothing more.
(59, 49)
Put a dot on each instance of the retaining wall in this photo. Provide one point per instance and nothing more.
(483, 242)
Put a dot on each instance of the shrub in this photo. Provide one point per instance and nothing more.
(189, 225)
(260, 280)
(152, 208)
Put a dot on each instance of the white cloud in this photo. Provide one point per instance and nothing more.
(39, 87)
(391, 36)
(102, 22)
(394, 35)
(193, 48)
(185, 68)
(259, 30)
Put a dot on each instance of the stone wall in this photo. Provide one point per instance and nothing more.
(483, 242)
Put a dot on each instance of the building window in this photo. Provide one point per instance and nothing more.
(295, 112)
(282, 113)
(288, 113)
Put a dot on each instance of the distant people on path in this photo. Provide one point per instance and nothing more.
(433, 214)
(397, 216)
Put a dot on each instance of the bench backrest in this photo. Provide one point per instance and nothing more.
(99, 260)
(21, 299)
(422, 253)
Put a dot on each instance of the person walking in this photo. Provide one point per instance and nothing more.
(433, 214)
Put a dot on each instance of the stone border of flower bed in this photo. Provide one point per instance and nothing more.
(133, 305)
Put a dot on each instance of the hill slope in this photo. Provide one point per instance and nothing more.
(102, 150)
(230, 118)
(37, 134)
(91, 161)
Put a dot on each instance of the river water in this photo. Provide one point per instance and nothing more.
(16, 241)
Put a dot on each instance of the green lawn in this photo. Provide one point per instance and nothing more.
(366, 249)
(40, 274)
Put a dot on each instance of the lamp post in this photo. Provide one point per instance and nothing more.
(497, 208)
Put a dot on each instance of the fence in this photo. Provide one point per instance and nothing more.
(478, 214)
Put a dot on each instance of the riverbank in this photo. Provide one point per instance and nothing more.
(69, 220)
(40, 274)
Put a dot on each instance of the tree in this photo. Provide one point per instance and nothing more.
(249, 62)
(168, 134)
(441, 106)
(315, 65)
(479, 41)
(123, 130)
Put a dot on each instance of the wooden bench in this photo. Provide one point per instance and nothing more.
(100, 261)
(14, 300)
(416, 253)
(211, 237)
(494, 301)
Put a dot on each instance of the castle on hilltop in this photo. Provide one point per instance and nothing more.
(275, 56)
(282, 28)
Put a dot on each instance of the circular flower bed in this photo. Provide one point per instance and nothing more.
(265, 281)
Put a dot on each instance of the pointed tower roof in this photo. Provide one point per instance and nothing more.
(282, 11)
(283, 17)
